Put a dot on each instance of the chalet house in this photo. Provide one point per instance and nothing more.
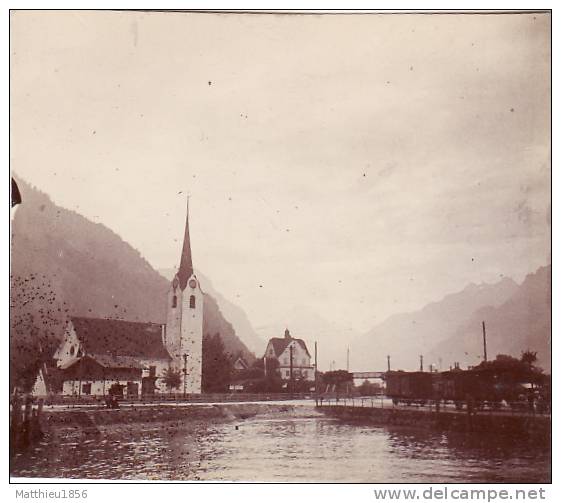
(292, 356)
(103, 356)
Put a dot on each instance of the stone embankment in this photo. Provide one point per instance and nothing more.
(534, 426)
(95, 420)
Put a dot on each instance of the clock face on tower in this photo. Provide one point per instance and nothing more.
(192, 283)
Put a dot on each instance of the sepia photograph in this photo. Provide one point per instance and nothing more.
(280, 246)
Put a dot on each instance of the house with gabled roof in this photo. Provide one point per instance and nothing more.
(98, 356)
(292, 357)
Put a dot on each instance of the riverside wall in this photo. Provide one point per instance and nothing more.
(94, 420)
(533, 426)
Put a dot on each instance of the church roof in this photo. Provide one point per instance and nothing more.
(281, 343)
(119, 338)
(186, 265)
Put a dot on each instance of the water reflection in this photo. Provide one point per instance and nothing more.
(300, 449)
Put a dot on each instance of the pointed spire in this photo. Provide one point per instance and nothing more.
(186, 265)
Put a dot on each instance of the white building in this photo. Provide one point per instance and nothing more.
(292, 356)
(99, 356)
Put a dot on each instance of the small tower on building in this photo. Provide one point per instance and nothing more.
(184, 327)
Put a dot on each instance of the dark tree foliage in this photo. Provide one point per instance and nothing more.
(172, 379)
(265, 377)
(37, 321)
(337, 377)
(217, 365)
(529, 358)
(369, 389)
(339, 381)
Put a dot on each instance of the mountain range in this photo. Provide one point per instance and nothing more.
(517, 318)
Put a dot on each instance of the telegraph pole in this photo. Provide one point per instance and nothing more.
(291, 366)
(484, 342)
(421, 359)
(184, 375)
(348, 349)
(316, 363)
(316, 370)
(388, 363)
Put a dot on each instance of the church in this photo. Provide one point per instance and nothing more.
(99, 357)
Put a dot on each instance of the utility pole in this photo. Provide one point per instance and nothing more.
(388, 363)
(421, 359)
(184, 375)
(348, 349)
(316, 370)
(291, 366)
(484, 342)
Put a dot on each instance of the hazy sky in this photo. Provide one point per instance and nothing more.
(356, 165)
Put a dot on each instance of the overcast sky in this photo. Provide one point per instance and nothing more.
(355, 165)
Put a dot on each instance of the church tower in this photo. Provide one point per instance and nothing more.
(184, 328)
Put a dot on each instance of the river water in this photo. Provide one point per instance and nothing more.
(301, 448)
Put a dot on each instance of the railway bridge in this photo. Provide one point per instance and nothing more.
(368, 375)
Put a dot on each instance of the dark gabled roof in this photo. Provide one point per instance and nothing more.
(103, 367)
(52, 376)
(120, 338)
(281, 343)
(107, 361)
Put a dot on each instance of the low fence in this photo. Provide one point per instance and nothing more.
(73, 401)
(492, 408)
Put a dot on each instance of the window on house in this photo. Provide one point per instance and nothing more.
(72, 349)
(153, 371)
(287, 373)
(192, 302)
(174, 301)
(86, 389)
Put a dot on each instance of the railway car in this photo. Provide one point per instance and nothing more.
(503, 382)
(409, 387)
(481, 387)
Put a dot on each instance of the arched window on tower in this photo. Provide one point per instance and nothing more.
(174, 301)
(192, 302)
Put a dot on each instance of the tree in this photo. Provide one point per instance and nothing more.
(369, 389)
(37, 321)
(172, 378)
(217, 365)
(529, 357)
(339, 381)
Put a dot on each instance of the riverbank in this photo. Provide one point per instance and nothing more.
(95, 420)
(536, 428)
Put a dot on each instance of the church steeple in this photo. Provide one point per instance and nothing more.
(184, 328)
(186, 265)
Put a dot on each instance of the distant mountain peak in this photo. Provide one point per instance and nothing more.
(407, 335)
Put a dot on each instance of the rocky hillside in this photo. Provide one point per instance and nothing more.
(522, 322)
(516, 317)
